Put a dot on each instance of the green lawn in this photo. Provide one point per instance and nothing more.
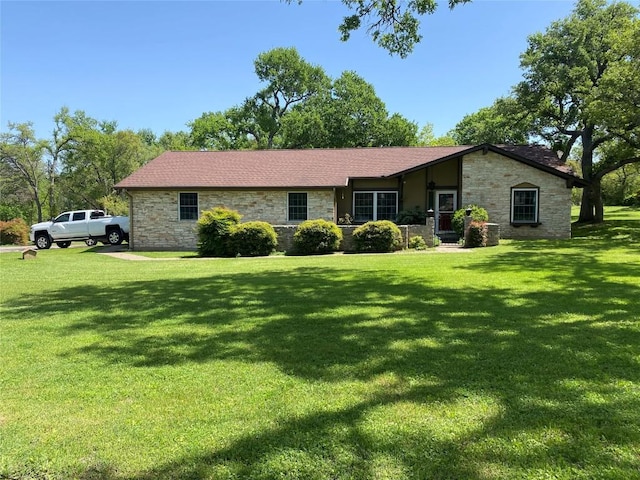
(517, 361)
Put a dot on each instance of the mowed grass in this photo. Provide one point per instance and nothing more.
(517, 361)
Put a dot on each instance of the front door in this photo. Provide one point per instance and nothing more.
(446, 201)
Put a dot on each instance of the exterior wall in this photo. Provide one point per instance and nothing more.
(155, 223)
(414, 191)
(445, 174)
(487, 181)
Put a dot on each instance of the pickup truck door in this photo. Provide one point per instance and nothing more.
(59, 227)
(77, 226)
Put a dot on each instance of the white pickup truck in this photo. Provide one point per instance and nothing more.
(88, 225)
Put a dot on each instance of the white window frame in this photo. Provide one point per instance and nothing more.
(180, 206)
(536, 190)
(289, 219)
(375, 203)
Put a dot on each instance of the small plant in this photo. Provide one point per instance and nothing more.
(417, 243)
(346, 220)
(14, 232)
(413, 216)
(478, 214)
(252, 239)
(214, 230)
(379, 236)
(476, 235)
(317, 236)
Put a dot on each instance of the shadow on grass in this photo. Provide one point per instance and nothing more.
(561, 365)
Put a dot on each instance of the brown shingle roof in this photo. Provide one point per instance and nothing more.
(311, 168)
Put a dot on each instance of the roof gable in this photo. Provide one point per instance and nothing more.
(311, 168)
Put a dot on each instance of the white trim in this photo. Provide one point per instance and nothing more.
(375, 202)
(437, 194)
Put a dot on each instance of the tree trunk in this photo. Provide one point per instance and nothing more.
(598, 205)
(589, 201)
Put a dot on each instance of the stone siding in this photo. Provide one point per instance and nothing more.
(487, 180)
(154, 213)
(286, 232)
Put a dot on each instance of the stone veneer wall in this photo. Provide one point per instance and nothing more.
(286, 232)
(154, 213)
(487, 181)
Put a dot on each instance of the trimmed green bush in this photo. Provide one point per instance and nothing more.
(478, 214)
(252, 239)
(214, 231)
(417, 243)
(14, 232)
(476, 235)
(379, 236)
(317, 236)
(414, 216)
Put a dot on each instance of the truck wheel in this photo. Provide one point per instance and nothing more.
(63, 244)
(91, 242)
(114, 236)
(43, 241)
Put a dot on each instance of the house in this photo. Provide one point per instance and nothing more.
(526, 189)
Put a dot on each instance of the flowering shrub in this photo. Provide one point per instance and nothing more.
(14, 232)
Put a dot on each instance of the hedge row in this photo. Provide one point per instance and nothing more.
(220, 234)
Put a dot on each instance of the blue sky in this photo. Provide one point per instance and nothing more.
(161, 64)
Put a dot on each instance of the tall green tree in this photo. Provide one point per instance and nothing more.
(348, 115)
(394, 25)
(22, 165)
(426, 138)
(64, 139)
(288, 80)
(300, 107)
(504, 122)
(102, 156)
(581, 85)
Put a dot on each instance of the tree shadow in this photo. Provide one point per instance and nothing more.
(562, 362)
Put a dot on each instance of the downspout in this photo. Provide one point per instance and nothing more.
(335, 206)
(131, 235)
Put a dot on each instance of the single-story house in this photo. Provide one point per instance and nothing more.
(525, 189)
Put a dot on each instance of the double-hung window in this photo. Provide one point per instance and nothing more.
(375, 206)
(297, 206)
(188, 208)
(524, 205)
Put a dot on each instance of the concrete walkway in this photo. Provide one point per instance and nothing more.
(122, 252)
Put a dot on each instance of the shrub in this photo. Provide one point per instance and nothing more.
(476, 236)
(413, 216)
(378, 236)
(417, 243)
(632, 200)
(14, 232)
(478, 214)
(317, 236)
(252, 239)
(10, 212)
(214, 230)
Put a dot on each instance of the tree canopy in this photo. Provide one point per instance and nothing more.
(580, 94)
(579, 86)
(393, 25)
(301, 107)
